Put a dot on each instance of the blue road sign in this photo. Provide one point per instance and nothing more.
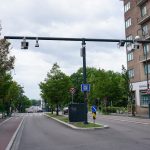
(85, 87)
(94, 109)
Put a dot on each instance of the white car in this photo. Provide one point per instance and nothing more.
(65, 110)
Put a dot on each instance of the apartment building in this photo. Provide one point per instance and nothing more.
(137, 23)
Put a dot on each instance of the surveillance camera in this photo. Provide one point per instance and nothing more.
(24, 45)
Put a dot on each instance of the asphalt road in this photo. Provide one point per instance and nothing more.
(41, 133)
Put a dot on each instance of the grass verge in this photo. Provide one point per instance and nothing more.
(76, 124)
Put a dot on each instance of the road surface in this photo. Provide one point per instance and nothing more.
(41, 133)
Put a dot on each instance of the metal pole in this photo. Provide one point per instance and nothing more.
(72, 97)
(84, 81)
(73, 39)
(147, 78)
(146, 66)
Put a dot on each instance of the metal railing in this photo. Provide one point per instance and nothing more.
(143, 57)
(140, 2)
(144, 35)
(144, 17)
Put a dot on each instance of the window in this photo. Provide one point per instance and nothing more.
(126, 7)
(128, 23)
(143, 11)
(131, 73)
(147, 67)
(144, 30)
(146, 48)
(129, 38)
(144, 98)
(130, 56)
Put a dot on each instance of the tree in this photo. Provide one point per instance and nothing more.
(55, 88)
(76, 81)
(6, 61)
(6, 64)
(128, 90)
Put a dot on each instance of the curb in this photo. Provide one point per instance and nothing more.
(77, 128)
(5, 121)
(9, 146)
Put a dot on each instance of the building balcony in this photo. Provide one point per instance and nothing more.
(144, 18)
(140, 2)
(143, 58)
(144, 35)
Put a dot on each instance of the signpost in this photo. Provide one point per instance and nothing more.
(72, 91)
(94, 109)
(85, 87)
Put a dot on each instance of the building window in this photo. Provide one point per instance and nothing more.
(145, 68)
(128, 23)
(144, 99)
(144, 30)
(131, 73)
(130, 56)
(146, 48)
(143, 11)
(126, 7)
(130, 37)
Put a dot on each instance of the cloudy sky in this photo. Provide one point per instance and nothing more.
(62, 18)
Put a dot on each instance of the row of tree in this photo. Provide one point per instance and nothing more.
(107, 87)
(12, 96)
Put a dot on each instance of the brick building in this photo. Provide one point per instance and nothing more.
(137, 23)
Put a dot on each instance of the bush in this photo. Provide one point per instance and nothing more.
(108, 110)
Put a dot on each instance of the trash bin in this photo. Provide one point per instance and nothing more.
(76, 112)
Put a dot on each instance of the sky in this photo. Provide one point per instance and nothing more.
(62, 18)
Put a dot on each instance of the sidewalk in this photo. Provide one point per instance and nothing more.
(130, 115)
(7, 129)
(125, 118)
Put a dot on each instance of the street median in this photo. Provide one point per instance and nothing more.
(75, 125)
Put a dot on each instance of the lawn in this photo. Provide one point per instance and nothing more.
(77, 124)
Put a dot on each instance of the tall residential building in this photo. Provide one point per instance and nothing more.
(137, 23)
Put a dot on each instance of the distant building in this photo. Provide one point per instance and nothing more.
(137, 23)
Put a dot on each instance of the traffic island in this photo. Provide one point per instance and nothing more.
(75, 125)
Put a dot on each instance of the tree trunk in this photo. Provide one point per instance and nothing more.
(57, 111)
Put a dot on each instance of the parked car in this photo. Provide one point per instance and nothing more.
(40, 110)
(65, 110)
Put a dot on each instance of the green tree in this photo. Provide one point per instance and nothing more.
(6, 64)
(128, 91)
(55, 88)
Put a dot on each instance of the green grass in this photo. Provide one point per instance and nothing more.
(77, 124)
(59, 117)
